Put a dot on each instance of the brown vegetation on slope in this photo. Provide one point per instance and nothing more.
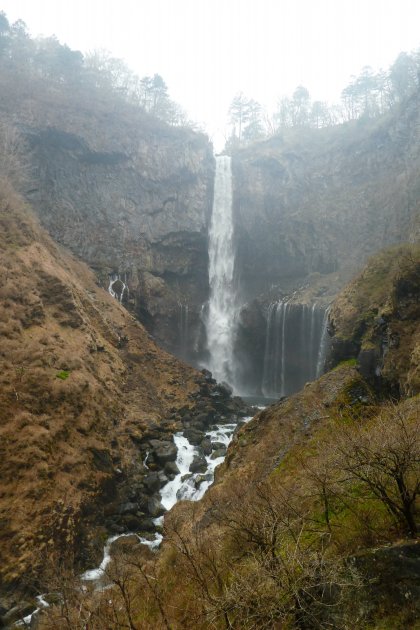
(78, 376)
(313, 519)
(284, 538)
(309, 486)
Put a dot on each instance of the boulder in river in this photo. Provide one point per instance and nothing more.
(155, 507)
(171, 469)
(164, 451)
(206, 445)
(199, 464)
(193, 436)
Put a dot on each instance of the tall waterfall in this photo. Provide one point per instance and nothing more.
(221, 317)
(295, 346)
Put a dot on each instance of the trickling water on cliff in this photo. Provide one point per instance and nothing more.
(221, 317)
(295, 346)
(117, 287)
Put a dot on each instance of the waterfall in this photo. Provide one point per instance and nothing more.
(295, 346)
(323, 345)
(221, 317)
(267, 379)
(275, 349)
(283, 349)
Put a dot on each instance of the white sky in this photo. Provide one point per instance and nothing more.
(208, 50)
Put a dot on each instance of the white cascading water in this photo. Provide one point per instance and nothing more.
(184, 486)
(296, 344)
(192, 486)
(184, 460)
(323, 345)
(221, 318)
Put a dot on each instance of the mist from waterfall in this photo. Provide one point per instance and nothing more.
(221, 316)
(296, 343)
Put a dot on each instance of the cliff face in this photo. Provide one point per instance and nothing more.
(324, 201)
(310, 208)
(132, 198)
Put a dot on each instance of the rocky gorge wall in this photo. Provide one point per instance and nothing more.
(322, 201)
(309, 208)
(132, 197)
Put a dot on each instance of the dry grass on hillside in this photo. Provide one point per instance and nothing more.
(68, 388)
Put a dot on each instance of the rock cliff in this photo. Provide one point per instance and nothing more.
(323, 201)
(375, 321)
(310, 207)
(137, 210)
(132, 197)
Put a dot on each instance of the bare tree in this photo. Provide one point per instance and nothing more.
(384, 454)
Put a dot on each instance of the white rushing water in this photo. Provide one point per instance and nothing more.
(27, 621)
(186, 452)
(185, 486)
(221, 318)
(192, 486)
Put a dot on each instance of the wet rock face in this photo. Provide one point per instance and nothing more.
(139, 209)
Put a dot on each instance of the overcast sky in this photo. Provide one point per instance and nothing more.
(208, 50)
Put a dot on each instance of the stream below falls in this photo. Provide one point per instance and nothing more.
(186, 485)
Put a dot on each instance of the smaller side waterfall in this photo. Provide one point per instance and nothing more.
(295, 346)
(117, 287)
(323, 345)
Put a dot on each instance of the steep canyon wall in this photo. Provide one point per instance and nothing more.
(323, 201)
(133, 197)
(133, 200)
(309, 208)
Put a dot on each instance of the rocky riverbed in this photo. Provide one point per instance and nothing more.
(178, 459)
(204, 428)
